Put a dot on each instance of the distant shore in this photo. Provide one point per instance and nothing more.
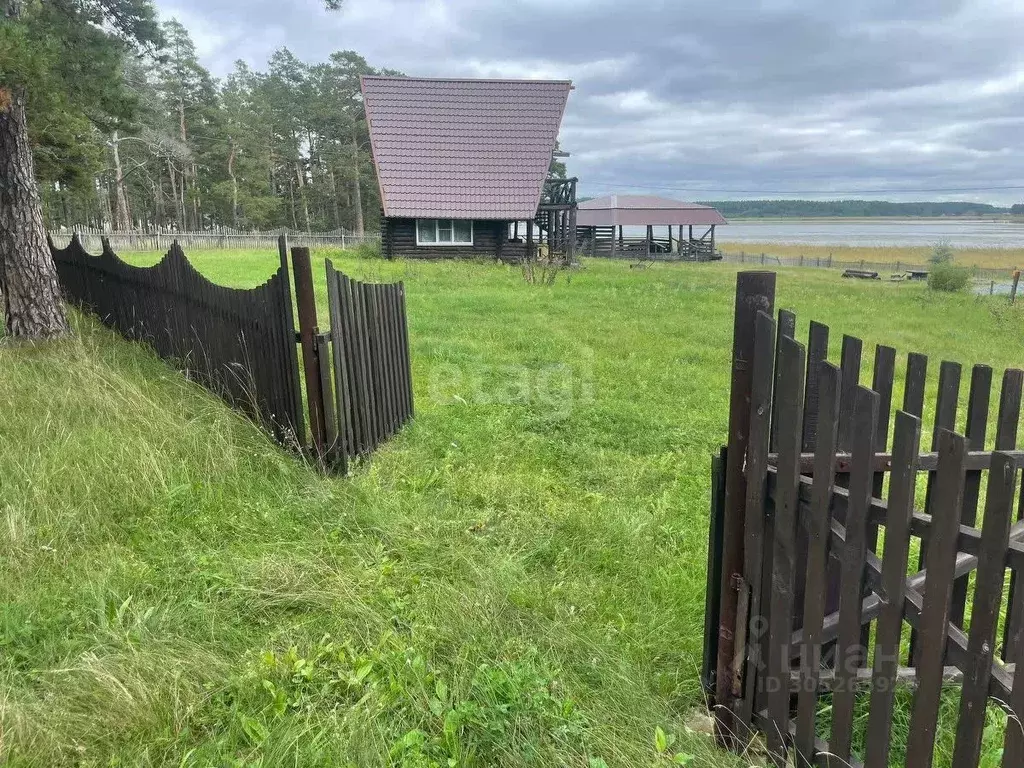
(1000, 218)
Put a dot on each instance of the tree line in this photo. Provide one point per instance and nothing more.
(284, 147)
(849, 208)
(107, 117)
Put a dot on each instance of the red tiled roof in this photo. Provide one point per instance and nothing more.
(633, 210)
(467, 149)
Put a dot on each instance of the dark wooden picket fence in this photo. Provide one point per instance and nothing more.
(238, 343)
(242, 344)
(803, 602)
(372, 371)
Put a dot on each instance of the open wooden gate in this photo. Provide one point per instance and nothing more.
(804, 603)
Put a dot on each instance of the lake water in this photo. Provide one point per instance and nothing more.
(888, 232)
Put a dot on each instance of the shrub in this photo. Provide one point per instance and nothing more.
(945, 274)
(948, 276)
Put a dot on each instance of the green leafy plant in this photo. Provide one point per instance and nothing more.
(663, 743)
(945, 274)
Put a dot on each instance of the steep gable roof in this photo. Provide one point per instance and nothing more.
(465, 149)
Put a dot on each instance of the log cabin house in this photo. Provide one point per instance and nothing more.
(463, 167)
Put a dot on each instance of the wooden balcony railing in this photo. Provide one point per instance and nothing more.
(559, 193)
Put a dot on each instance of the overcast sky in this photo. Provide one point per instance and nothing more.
(897, 99)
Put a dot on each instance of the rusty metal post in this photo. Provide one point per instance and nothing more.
(755, 292)
(306, 303)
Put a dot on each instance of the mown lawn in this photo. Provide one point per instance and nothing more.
(517, 579)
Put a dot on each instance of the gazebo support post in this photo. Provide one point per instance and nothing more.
(570, 235)
(712, 241)
(689, 243)
(650, 237)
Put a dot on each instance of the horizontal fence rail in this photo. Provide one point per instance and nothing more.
(816, 607)
(238, 343)
(92, 239)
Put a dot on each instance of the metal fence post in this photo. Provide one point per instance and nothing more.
(306, 304)
(755, 292)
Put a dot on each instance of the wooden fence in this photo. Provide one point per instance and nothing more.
(372, 372)
(212, 240)
(803, 603)
(241, 344)
(238, 343)
(884, 268)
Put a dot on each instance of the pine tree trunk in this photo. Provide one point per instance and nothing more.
(158, 196)
(28, 277)
(122, 213)
(291, 194)
(300, 175)
(108, 211)
(234, 185)
(334, 198)
(179, 209)
(357, 192)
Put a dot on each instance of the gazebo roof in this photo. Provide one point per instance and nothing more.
(641, 210)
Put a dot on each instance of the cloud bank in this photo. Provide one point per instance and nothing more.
(917, 99)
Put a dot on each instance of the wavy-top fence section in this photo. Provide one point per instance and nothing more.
(238, 343)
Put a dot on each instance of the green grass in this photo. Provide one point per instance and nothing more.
(985, 258)
(516, 579)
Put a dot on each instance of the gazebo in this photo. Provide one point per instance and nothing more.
(601, 224)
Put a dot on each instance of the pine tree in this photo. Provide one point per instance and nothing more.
(62, 53)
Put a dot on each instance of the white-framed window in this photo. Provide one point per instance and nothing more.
(444, 232)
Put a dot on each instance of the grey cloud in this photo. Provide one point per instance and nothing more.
(712, 98)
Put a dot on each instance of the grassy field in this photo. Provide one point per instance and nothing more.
(516, 579)
(986, 258)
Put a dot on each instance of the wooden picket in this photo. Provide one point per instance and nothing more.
(811, 582)
(372, 370)
(242, 343)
